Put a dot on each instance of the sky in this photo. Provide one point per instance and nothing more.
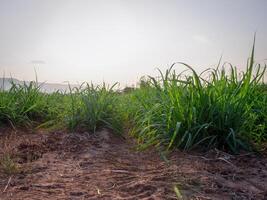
(122, 40)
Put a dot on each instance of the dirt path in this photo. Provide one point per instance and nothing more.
(103, 166)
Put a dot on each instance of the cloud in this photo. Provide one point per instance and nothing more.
(201, 39)
(39, 62)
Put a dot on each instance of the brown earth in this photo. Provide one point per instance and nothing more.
(61, 165)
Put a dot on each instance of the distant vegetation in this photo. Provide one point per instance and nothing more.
(218, 108)
(7, 83)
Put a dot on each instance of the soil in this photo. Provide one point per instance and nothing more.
(59, 165)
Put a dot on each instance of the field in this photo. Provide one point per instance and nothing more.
(182, 135)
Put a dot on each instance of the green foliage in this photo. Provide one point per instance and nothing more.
(186, 110)
(25, 105)
(20, 105)
(92, 107)
(7, 165)
(217, 108)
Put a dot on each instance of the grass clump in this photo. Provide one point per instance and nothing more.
(20, 105)
(25, 105)
(92, 107)
(225, 109)
(8, 166)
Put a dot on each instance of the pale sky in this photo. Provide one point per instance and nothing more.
(112, 40)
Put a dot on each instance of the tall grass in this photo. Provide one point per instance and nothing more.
(92, 107)
(25, 105)
(87, 107)
(219, 108)
(227, 110)
(20, 105)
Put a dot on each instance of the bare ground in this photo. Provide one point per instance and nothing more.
(62, 165)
